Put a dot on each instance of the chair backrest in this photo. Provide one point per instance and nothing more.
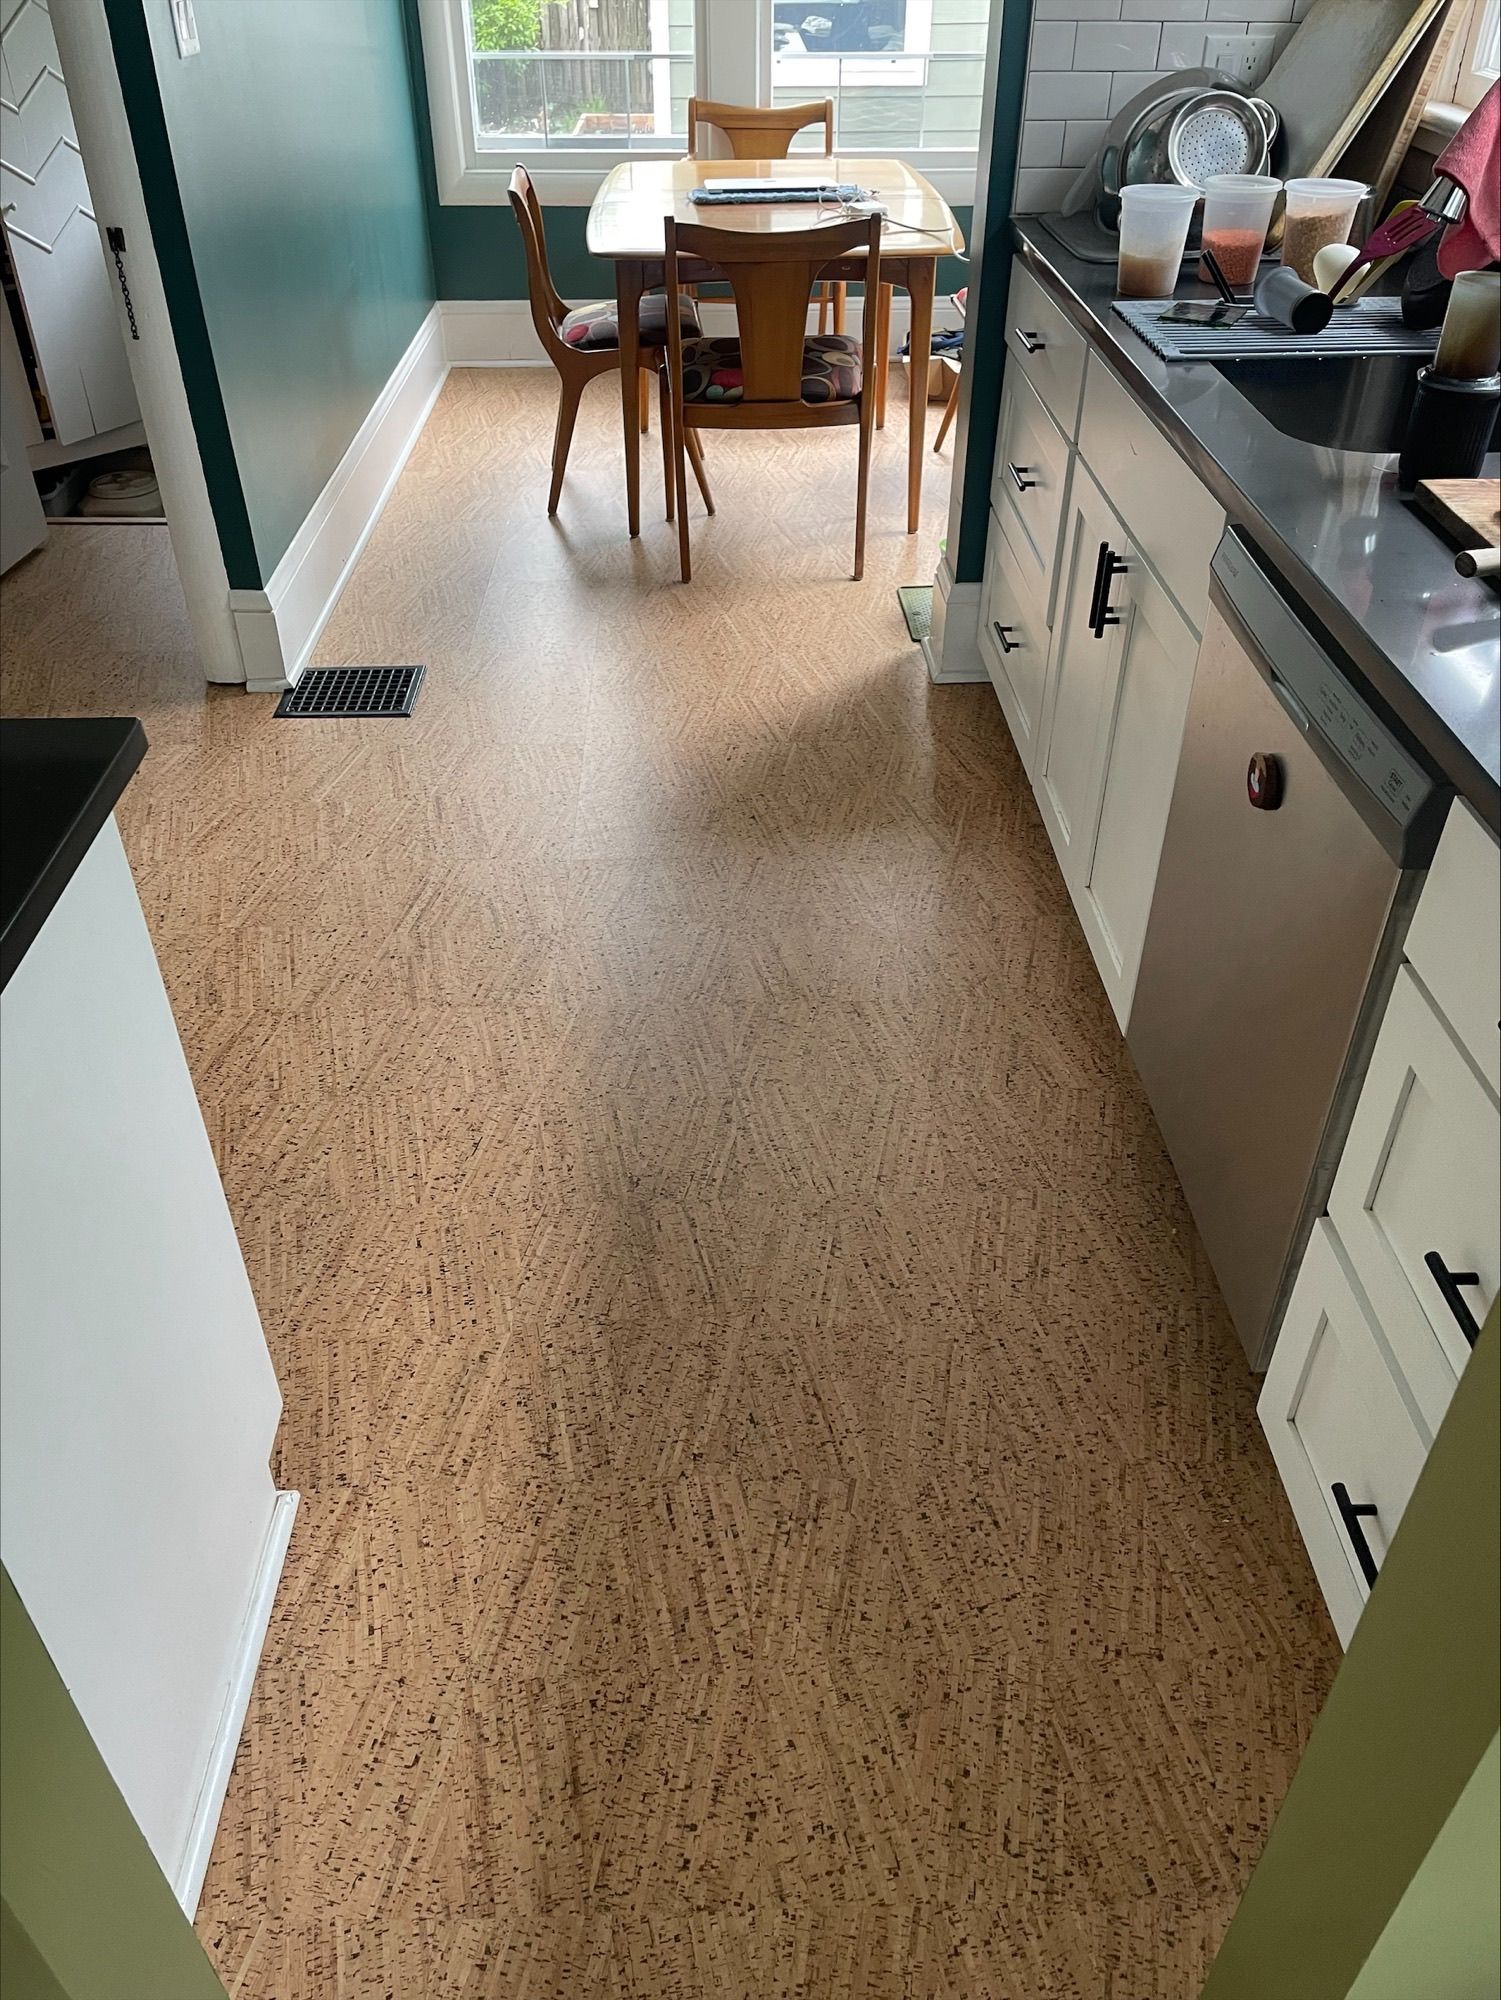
(772, 277)
(548, 309)
(759, 132)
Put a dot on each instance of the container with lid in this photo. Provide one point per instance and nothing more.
(1237, 214)
(1318, 212)
(1154, 228)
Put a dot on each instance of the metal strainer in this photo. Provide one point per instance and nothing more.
(1219, 132)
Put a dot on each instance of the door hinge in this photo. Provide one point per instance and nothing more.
(115, 238)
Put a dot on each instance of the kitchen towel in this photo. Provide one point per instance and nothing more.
(1472, 159)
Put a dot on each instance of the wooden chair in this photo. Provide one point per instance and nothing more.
(584, 342)
(773, 375)
(757, 132)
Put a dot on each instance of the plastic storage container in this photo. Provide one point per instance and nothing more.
(1318, 212)
(1237, 214)
(1154, 229)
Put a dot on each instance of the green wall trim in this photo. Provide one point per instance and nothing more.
(88, 1913)
(990, 281)
(1412, 1712)
(131, 42)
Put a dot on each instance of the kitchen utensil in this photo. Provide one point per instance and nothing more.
(1374, 327)
(1217, 132)
(1404, 229)
(1282, 295)
(1478, 562)
(1466, 512)
(1448, 430)
(1318, 212)
(1154, 229)
(1469, 346)
(1237, 214)
(1134, 147)
(1211, 263)
(1330, 265)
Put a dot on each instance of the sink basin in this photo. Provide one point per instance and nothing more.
(1350, 402)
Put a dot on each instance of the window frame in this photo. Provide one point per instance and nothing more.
(733, 62)
(1462, 84)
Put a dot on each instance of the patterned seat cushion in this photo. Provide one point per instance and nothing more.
(712, 371)
(599, 326)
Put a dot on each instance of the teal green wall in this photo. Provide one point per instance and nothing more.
(293, 162)
(477, 252)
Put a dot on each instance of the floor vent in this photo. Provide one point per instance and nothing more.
(916, 600)
(353, 691)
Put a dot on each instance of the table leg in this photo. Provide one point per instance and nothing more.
(921, 279)
(629, 279)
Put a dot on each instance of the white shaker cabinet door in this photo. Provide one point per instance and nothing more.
(1417, 1197)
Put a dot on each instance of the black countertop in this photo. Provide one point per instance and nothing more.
(59, 781)
(1372, 572)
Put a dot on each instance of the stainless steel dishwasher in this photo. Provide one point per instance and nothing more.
(1299, 826)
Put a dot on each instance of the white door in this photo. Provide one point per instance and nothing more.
(1080, 696)
(66, 287)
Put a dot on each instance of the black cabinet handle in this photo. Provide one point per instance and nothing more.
(1449, 1283)
(1110, 566)
(1019, 477)
(1030, 341)
(1000, 630)
(1352, 1516)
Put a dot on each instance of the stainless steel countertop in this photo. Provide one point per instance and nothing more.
(1383, 583)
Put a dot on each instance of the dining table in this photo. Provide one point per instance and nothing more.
(628, 226)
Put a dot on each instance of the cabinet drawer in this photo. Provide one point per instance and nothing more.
(1455, 939)
(1419, 1174)
(1050, 350)
(1014, 639)
(1031, 477)
(1174, 520)
(1336, 1421)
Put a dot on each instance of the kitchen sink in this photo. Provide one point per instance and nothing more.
(1351, 402)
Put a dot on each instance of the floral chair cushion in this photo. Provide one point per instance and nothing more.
(712, 370)
(599, 326)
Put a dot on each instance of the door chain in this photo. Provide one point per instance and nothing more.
(116, 240)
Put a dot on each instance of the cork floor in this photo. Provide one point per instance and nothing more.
(783, 1509)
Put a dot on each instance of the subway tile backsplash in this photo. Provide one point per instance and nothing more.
(1089, 57)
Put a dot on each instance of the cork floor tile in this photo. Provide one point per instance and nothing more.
(784, 1516)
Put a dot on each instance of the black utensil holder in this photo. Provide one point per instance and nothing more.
(1449, 428)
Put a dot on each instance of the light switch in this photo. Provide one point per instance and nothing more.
(185, 27)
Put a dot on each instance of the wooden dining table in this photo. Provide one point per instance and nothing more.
(627, 225)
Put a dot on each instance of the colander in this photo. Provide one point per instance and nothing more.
(1219, 132)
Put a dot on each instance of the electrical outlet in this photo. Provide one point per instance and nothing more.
(185, 27)
(1246, 58)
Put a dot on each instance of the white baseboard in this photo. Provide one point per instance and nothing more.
(279, 625)
(194, 1866)
(952, 648)
(498, 333)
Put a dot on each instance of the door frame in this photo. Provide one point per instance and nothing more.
(110, 165)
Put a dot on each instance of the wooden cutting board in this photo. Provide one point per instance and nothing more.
(1466, 512)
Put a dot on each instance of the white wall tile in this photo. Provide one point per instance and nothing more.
(1068, 94)
(1040, 189)
(1082, 138)
(1265, 13)
(1164, 10)
(1126, 83)
(1281, 37)
(1077, 10)
(1052, 45)
(1300, 8)
(1182, 45)
(1117, 45)
(1042, 143)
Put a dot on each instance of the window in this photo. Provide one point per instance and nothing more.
(1475, 56)
(572, 86)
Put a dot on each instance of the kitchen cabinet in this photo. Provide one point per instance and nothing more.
(1122, 667)
(1411, 1243)
(1014, 645)
(1032, 461)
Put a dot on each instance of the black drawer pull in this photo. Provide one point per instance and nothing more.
(1030, 341)
(1108, 568)
(1019, 477)
(1449, 1283)
(1352, 1515)
(1000, 630)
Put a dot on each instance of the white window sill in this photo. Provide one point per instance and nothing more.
(566, 183)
